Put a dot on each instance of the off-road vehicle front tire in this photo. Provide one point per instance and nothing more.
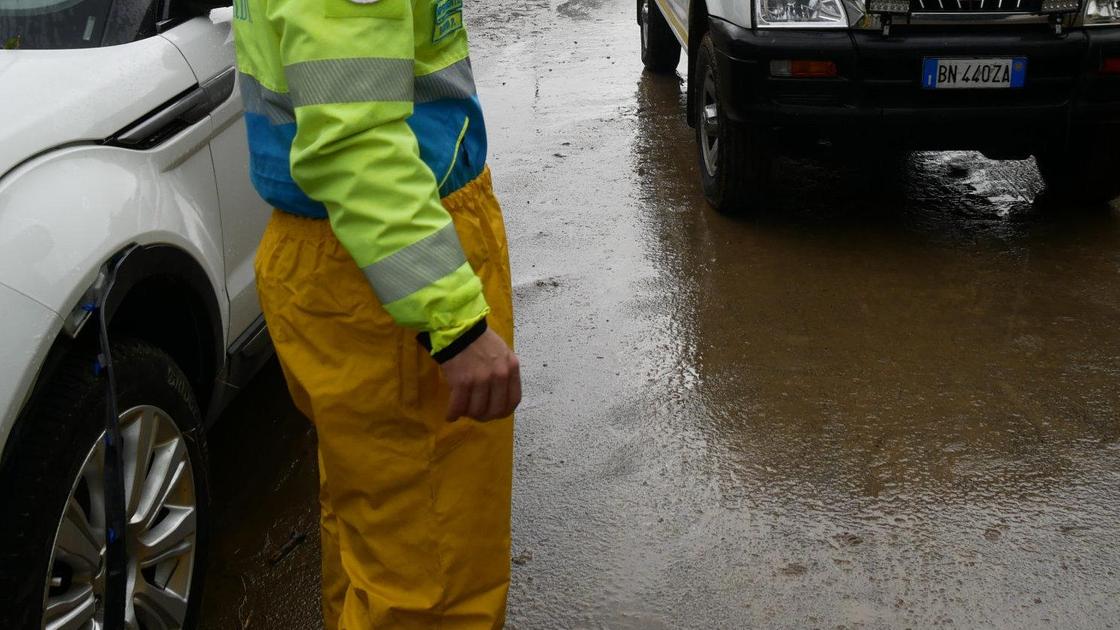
(660, 49)
(734, 161)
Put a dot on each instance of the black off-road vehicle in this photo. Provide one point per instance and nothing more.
(1010, 78)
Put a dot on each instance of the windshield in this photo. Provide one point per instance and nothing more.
(39, 24)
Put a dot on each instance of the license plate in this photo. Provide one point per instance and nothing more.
(972, 74)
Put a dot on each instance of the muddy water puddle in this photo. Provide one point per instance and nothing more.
(890, 401)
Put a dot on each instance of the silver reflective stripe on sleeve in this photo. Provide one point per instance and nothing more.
(408, 270)
(453, 82)
(359, 80)
(274, 106)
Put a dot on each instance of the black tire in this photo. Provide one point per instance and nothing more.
(735, 167)
(46, 453)
(660, 49)
(1084, 170)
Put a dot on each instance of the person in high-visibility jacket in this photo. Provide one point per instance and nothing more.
(384, 280)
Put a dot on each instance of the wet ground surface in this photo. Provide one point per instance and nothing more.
(855, 410)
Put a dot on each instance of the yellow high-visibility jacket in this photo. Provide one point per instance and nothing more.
(365, 112)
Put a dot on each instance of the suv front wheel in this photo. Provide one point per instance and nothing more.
(734, 165)
(52, 548)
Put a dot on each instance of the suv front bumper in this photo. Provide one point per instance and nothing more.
(878, 95)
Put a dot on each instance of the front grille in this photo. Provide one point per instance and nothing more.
(890, 75)
(978, 6)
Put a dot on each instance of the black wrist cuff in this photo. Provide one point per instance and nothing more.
(455, 347)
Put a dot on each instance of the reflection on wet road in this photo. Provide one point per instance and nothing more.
(890, 401)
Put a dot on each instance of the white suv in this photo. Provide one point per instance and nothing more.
(123, 182)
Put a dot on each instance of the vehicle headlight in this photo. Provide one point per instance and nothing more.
(1101, 12)
(801, 13)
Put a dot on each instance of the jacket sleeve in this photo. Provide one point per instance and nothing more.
(349, 70)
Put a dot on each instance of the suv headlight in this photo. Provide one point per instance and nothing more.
(1101, 12)
(801, 13)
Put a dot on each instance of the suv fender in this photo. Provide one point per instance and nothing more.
(143, 273)
(63, 214)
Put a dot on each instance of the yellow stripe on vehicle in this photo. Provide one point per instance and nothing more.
(678, 28)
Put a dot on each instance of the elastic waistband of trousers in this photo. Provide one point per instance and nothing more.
(481, 185)
(300, 227)
(320, 229)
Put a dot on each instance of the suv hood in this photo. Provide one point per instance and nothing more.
(54, 98)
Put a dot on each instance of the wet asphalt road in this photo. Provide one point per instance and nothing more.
(857, 410)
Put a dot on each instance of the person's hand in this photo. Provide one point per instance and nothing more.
(485, 380)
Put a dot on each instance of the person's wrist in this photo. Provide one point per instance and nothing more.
(460, 343)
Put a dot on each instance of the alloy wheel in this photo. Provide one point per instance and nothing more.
(709, 124)
(162, 513)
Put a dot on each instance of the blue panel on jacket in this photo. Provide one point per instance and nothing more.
(270, 148)
(437, 126)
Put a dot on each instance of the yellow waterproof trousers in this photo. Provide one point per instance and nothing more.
(415, 510)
